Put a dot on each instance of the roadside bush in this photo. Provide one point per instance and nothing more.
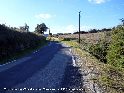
(99, 50)
(115, 55)
(66, 39)
(84, 45)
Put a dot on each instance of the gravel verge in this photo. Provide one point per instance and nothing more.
(72, 81)
(79, 75)
(89, 72)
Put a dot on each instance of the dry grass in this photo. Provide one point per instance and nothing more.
(90, 37)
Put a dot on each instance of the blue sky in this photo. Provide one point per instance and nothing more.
(62, 15)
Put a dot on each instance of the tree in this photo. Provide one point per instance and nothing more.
(26, 27)
(41, 28)
(115, 55)
(122, 20)
(93, 31)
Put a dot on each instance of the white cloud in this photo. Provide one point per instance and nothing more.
(98, 1)
(44, 16)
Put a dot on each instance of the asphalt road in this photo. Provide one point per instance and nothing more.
(21, 72)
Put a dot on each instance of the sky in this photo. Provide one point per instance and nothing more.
(61, 16)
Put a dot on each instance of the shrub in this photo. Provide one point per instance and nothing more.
(115, 55)
(99, 50)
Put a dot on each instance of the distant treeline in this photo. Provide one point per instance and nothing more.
(13, 41)
(63, 33)
(85, 32)
(93, 31)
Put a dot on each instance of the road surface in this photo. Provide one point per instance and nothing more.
(42, 72)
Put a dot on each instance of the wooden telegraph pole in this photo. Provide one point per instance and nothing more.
(49, 31)
(79, 26)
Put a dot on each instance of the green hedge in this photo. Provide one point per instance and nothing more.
(115, 55)
(12, 41)
(99, 50)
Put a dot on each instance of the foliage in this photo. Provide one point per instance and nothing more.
(94, 43)
(97, 30)
(115, 55)
(93, 31)
(99, 50)
(41, 28)
(24, 28)
(112, 79)
(12, 41)
(81, 32)
(50, 34)
(109, 78)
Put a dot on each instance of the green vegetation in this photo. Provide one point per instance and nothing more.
(109, 78)
(107, 55)
(110, 52)
(41, 28)
(115, 55)
(14, 43)
(108, 48)
(99, 50)
(96, 44)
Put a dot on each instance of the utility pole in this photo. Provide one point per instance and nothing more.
(79, 27)
(49, 31)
